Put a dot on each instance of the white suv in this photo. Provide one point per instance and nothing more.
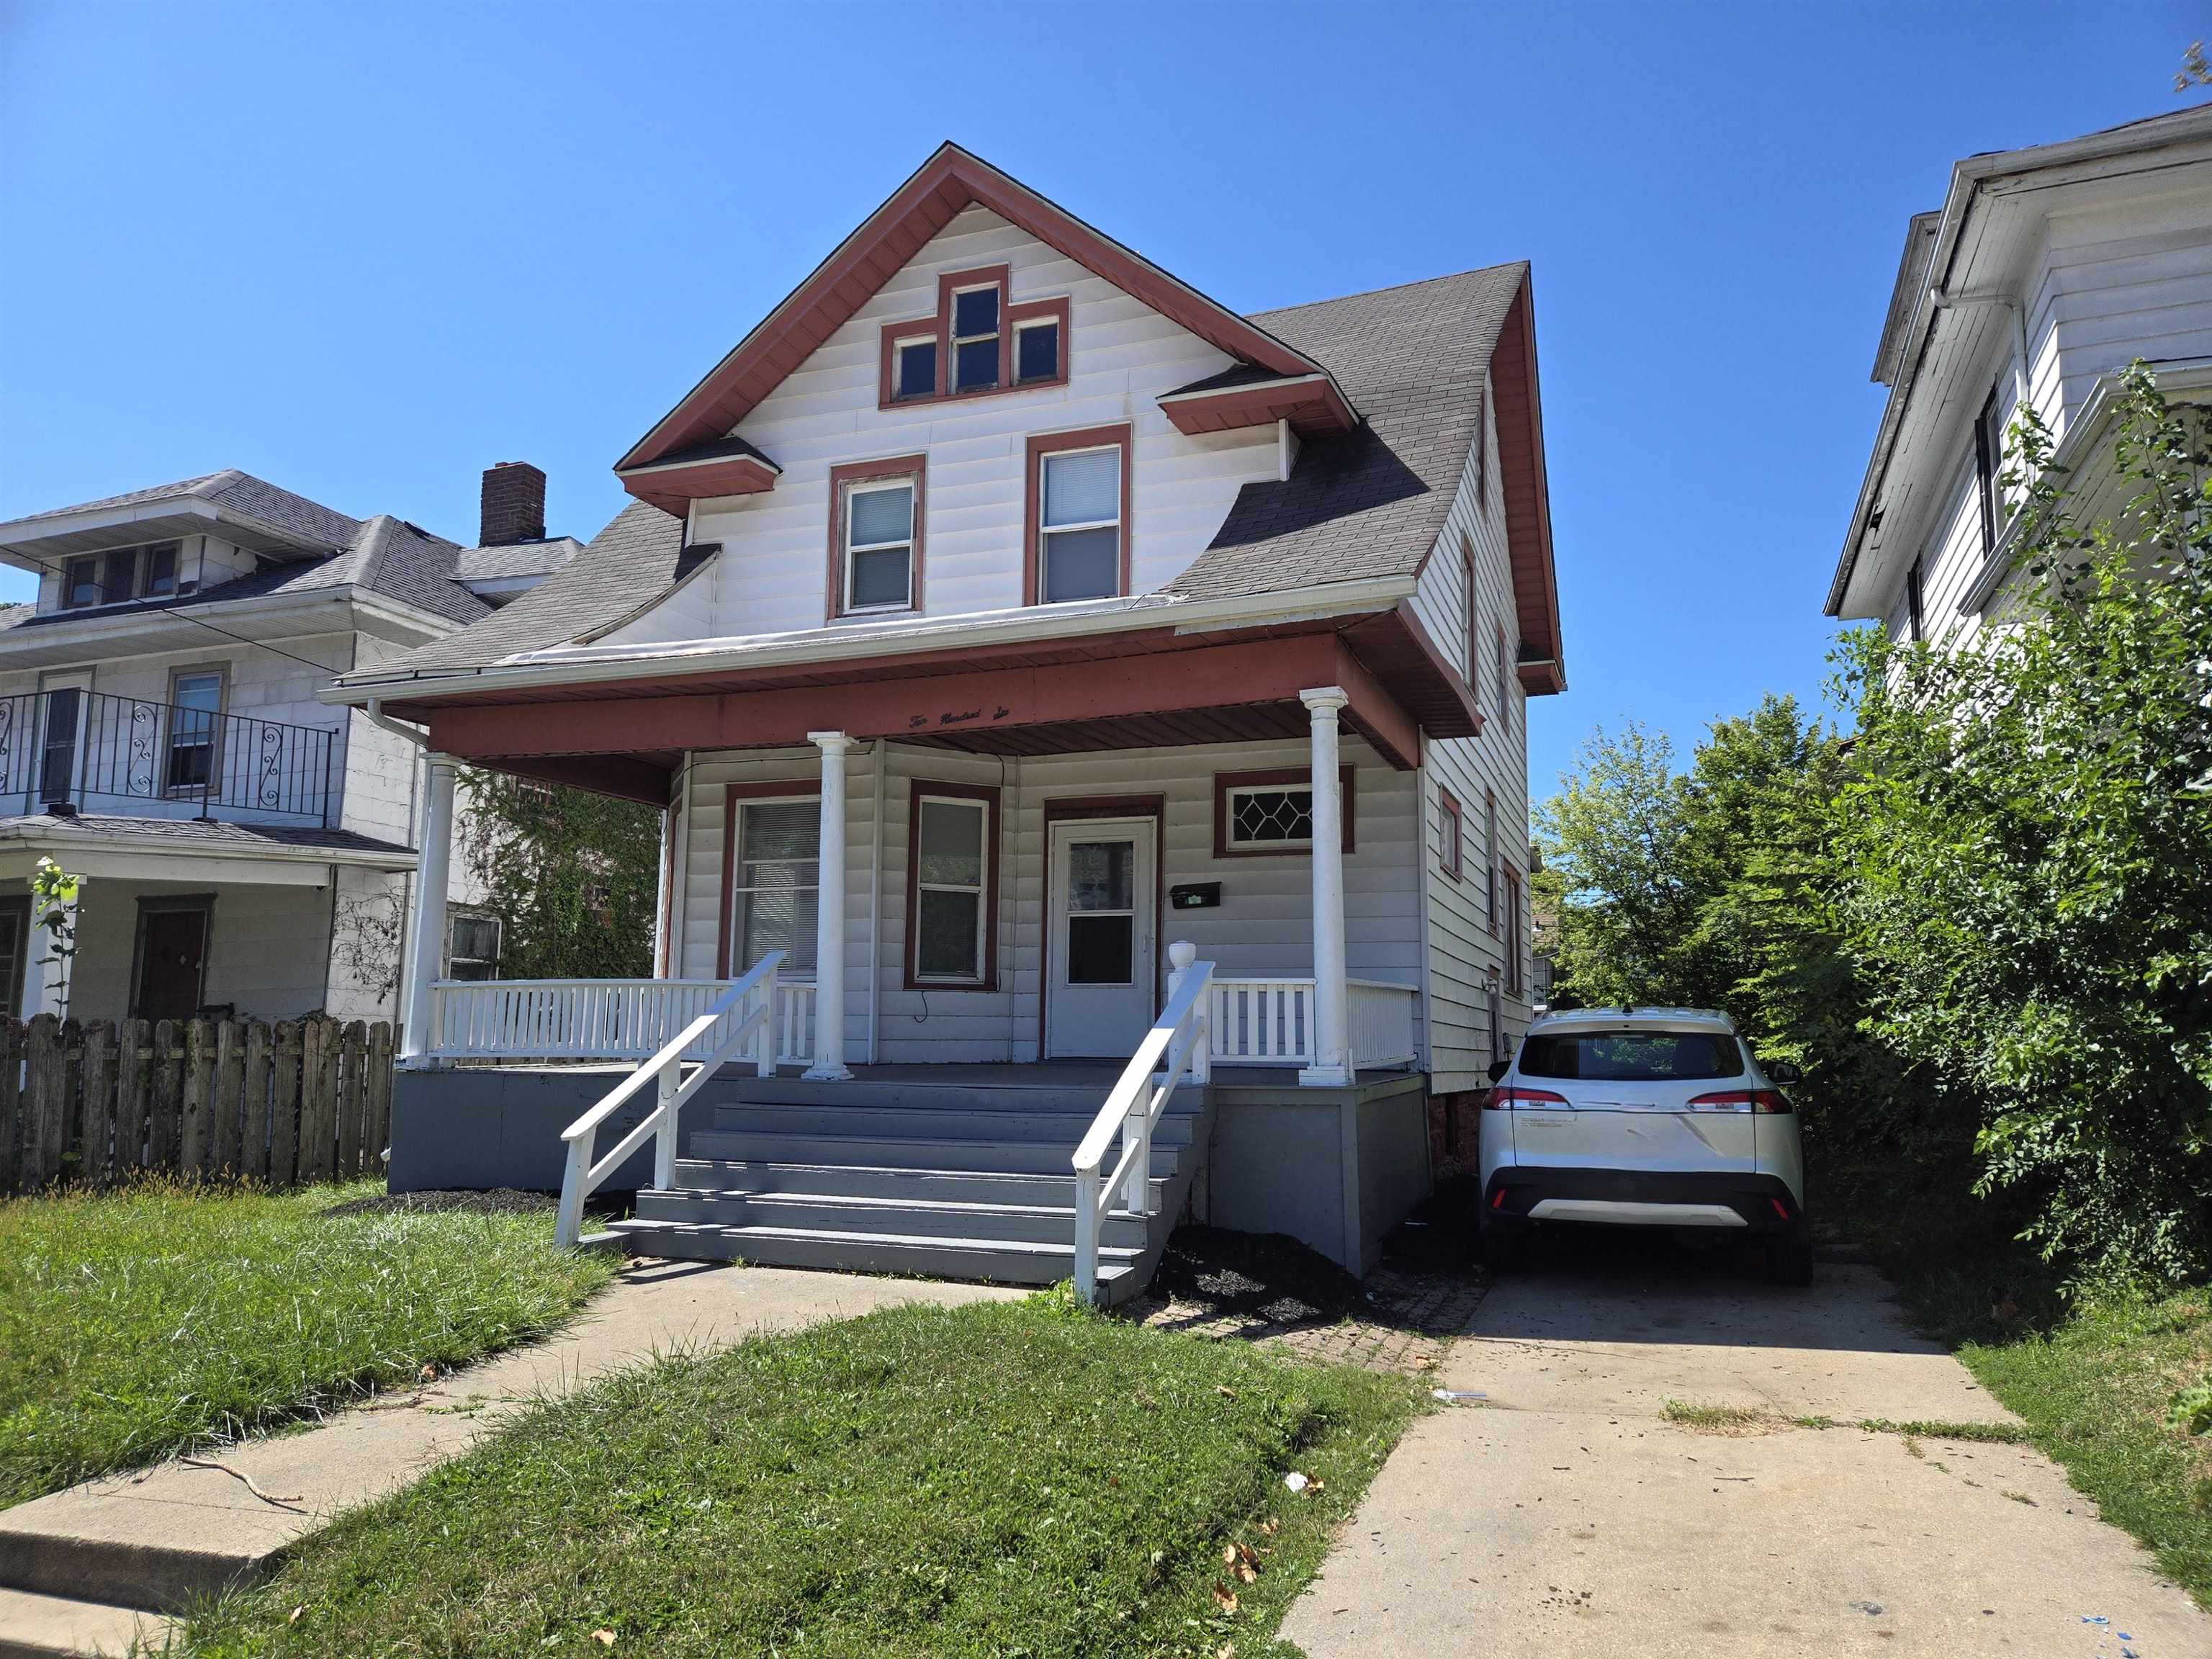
(1642, 1117)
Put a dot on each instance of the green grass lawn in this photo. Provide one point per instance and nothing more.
(140, 1322)
(1003, 1479)
(2093, 1378)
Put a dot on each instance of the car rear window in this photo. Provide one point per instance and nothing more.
(1630, 1056)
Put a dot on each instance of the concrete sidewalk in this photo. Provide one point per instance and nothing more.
(1569, 1516)
(75, 1566)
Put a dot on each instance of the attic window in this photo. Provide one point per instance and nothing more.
(913, 368)
(120, 574)
(976, 338)
(1037, 351)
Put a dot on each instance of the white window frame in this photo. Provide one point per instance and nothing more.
(955, 339)
(1059, 349)
(498, 940)
(1046, 533)
(176, 740)
(736, 831)
(870, 486)
(898, 352)
(1236, 843)
(980, 888)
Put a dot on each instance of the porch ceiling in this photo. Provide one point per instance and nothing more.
(1152, 688)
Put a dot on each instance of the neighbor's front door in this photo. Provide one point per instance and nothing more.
(1103, 937)
(172, 962)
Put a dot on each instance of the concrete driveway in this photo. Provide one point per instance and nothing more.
(1569, 1517)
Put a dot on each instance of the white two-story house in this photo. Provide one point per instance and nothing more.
(1011, 631)
(244, 847)
(2044, 273)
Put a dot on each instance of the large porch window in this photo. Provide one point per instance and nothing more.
(952, 886)
(775, 881)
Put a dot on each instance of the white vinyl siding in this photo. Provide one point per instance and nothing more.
(1120, 355)
(1263, 924)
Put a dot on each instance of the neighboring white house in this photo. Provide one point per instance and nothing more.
(2044, 274)
(980, 621)
(245, 846)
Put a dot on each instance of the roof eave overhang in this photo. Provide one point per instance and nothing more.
(1970, 178)
(1310, 402)
(1526, 488)
(50, 536)
(673, 486)
(611, 667)
(949, 181)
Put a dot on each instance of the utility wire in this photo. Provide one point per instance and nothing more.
(173, 609)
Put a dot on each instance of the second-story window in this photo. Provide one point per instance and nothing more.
(879, 546)
(195, 714)
(1915, 618)
(1080, 524)
(1504, 680)
(976, 338)
(1989, 462)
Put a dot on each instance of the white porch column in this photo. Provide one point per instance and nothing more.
(426, 934)
(1332, 1053)
(828, 1065)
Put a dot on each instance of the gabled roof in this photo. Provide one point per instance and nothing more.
(510, 559)
(1374, 501)
(950, 180)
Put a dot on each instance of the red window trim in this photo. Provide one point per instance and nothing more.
(1452, 853)
(896, 466)
(1504, 662)
(988, 794)
(1512, 938)
(1052, 443)
(780, 788)
(939, 329)
(1224, 781)
(1490, 859)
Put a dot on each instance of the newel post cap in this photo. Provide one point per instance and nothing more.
(1182, 954)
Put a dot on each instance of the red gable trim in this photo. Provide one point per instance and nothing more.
(949, 181)
(1543, 669)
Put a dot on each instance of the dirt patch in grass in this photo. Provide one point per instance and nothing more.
(1269, 1278)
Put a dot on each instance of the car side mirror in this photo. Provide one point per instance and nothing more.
(1783, 1072)
(1498, 1068)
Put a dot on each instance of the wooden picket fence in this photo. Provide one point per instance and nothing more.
(297, 1102)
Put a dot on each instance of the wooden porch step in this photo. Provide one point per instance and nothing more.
(1003, 1261)
(1029, 1224)
(1056, 1189)
(973, 1156)
(946, 1120)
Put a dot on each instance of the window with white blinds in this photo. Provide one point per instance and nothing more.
(879, 546)
(774, 883)
(1080, 524)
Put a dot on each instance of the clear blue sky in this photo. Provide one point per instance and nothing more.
(364, 251)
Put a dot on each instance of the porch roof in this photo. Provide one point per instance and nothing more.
(191, 849)
(1146, 687)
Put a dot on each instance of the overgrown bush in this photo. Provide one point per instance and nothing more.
(1981, 926)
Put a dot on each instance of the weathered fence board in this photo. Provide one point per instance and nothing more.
(301, 1100)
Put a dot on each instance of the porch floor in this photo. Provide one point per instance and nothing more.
(1055, 1074)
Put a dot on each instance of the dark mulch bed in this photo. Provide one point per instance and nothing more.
(1266, 1276)
(500, 1200)
(1442, 1232)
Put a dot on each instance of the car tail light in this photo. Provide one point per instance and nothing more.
(1743, 1100)
(1509, 1096)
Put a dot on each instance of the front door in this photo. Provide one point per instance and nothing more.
(172, 961)
(1102, 946)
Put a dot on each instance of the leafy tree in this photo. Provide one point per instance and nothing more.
(2027, 841)
(572, 874)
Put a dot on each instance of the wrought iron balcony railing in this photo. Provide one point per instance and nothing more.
(87, 751)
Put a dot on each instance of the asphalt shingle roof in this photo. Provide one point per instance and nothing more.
(193, 832)
(1410, 359)
(485, 564)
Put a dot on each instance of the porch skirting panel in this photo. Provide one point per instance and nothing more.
(1335, 1168)
(475, 1127)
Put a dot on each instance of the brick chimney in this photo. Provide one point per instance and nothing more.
(514, 505)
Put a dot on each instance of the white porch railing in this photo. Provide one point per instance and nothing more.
(741, 1018)
(597, 1018)
(1176, 1046)
(1270, 1022)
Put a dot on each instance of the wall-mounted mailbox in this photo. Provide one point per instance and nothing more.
(1194, 896)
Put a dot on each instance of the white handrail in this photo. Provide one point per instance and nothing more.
(1177, 1043)
(584, 1175)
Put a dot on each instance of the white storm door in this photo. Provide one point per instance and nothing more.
(1103, 937)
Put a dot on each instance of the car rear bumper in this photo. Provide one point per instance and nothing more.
(1643, 1198)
